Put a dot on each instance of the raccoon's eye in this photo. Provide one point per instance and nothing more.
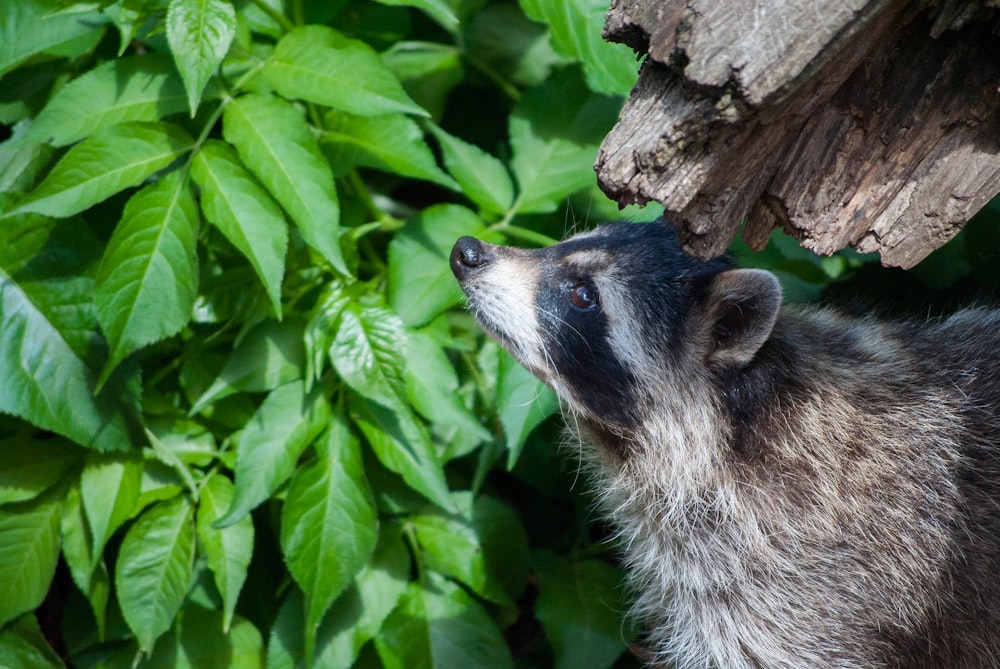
(583, 296)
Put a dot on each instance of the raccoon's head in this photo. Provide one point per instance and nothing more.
(614, 318)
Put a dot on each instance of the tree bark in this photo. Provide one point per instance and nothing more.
(874, 123)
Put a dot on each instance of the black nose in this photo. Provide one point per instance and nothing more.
(467, 255)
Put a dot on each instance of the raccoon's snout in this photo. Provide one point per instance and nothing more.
(468, 255)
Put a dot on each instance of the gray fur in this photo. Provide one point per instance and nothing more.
(792, 489)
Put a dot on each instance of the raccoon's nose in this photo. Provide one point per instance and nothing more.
(467, 255)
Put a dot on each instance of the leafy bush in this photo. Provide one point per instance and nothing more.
(245, 418)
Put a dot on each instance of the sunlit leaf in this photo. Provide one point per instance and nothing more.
(137, 88)
(154, 569)
(483, 178)
(320, 65)
(275, 142)
(199, 33)
(393, 143)
(329, 524)
(250, 219)
(287, 422)
(27, 28)
(148, 278)
(116, 158)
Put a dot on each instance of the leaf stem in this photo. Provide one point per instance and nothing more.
(508, 89)
(277, 16)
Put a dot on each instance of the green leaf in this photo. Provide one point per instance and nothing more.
(576, 33)
(439, 626)
(21, 162)
(318, 64)
(270, 355)
(484, 546)
(329, 525)
(580, 606)
(154, 569)
(421, 284)
(429, 71)
(109, 486)
(355, 617)
(137, 88)
(322, 328)
(431, 387)
(275, 142)
(148, 278)
(227, 550)
(403, 446)
(234, 202)
(29, 467)
(109, 161)
(90, 575)
(555, 132)
(483, 178)
(393, 143)
(45, 380)
(271, 443)
(29, 27)
(28, 553)
(199, 33)
(522, 402)
(368, 353)
(23, 646)
(439, 10)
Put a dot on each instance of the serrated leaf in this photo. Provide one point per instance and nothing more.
(275, 142)
(23, 646)
(29, 467)
(431, 385)
(28, 553)
(109, 161)
(137, 88)
(234, 202)
(227, 550)
(368, 352)
(154, 569)
(555, 132)
(199, 33)
(329, 524)
(438, 626)
(271, 443)
(45, 380)
(421, 284)
(392, 142)
(403, 446)
(270, 355)
(29, 27)
(318, 64)
(355, 617)
(483, 178)
(576, 33)
(580, 606)
(522, 403)
(109, 487)
(148, 278)
(90, 575)
(483, 545)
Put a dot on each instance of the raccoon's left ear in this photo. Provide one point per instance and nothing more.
(741, 306)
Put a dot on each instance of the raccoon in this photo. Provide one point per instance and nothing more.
(793, 487)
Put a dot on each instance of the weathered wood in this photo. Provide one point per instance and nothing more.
(875, 124)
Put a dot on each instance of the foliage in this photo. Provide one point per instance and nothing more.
(246, 419)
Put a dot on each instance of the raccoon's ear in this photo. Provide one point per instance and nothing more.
(741, 306)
